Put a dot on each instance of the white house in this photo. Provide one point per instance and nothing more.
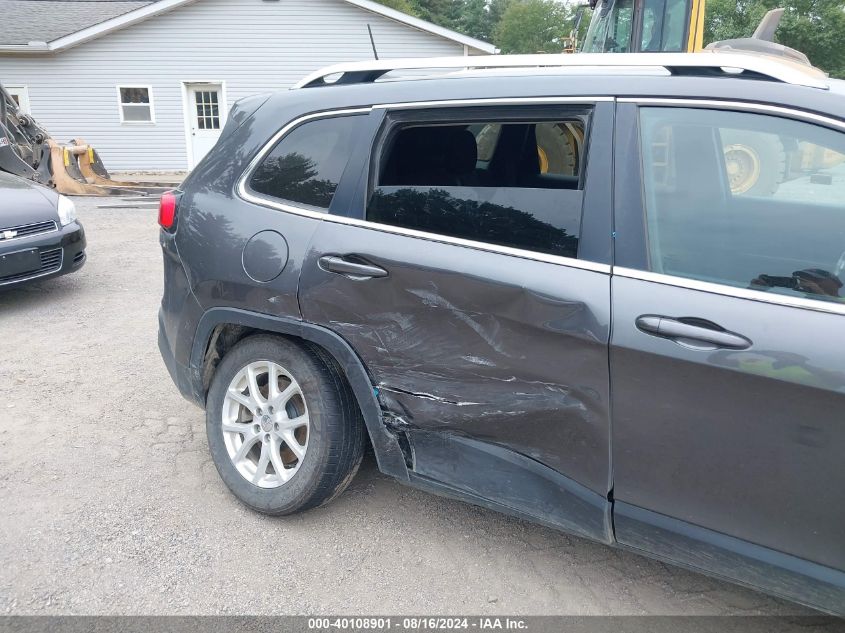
(149, 83)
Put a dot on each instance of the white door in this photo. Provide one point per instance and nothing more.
(206, 115)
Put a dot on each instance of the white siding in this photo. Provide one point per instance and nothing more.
(251, 45)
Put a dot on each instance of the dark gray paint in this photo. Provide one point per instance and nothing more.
(528, 341)
(265, 256)
(493, 476)
(496, 347)
(500, 348)
(744, 442)
(214, 227)
(707, 551)
(24, 202)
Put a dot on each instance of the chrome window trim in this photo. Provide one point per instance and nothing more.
(719, 104)
(23, 226)
(244, 193)
(730, 291)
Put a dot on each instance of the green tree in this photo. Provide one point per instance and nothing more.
(405, 6)
(440, 12)
(496, 9)
(814, 27)
(532, 26)
(474, 19)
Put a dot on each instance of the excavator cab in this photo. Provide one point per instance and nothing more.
(645, 26)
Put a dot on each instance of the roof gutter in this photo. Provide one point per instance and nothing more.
(31, 47)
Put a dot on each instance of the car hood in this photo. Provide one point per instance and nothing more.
(25, 202)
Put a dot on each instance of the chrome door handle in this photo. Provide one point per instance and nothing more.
(692, 333)
(352, 269)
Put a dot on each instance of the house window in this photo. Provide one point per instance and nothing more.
(136, 104)
(208, 110)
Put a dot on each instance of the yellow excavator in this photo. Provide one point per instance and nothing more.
(757, 163)
(645, 26)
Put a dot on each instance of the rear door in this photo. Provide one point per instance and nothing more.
(728, 348)
(463, 275)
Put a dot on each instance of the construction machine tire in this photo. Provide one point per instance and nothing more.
(756, 162)
(559, 148)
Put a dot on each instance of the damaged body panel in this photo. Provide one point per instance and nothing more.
(512, 352)
(480, 348)
(474, 470)
(502, 369)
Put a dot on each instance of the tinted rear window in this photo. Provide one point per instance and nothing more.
(306, 165)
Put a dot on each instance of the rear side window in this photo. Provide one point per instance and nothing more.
(306, 165)
(747, 200)
(509, 183)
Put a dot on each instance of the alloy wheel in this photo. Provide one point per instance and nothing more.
(265, 424)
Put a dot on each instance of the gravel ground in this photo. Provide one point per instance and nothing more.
(111, 505)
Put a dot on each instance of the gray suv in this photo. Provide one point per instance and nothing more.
(602, 293)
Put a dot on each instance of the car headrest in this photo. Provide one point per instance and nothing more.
(463, 151)
(436, 155)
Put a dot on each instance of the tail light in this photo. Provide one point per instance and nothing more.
(167, 210)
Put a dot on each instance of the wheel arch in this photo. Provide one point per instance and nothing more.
(232, 324)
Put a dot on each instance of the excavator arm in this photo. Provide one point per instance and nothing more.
(74, 168)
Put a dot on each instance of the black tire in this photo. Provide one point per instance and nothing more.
(336, 437)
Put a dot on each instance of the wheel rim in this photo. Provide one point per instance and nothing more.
(265, 424)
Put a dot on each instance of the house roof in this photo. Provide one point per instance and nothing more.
(26, 21)
(44, 26)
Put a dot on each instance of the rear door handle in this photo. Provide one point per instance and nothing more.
(352, 269)
(699, 334)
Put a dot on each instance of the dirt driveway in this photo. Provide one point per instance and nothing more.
(111, 505)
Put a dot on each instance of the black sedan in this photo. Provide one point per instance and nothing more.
(40, 236)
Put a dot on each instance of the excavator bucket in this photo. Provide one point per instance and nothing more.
(75, 168)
